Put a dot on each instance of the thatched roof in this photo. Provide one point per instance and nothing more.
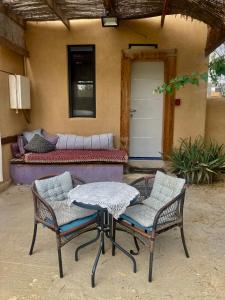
(212, 12)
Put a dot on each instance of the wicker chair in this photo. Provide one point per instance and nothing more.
(168, 216)
(44, 214)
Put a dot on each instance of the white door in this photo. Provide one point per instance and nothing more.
(146, 110)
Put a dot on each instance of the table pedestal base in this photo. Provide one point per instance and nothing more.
(104, 229)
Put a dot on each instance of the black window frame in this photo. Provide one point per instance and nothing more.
(69, 80)
(153, 46)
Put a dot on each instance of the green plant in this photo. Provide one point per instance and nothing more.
(180, 81)
(216, 70)
(198, 161)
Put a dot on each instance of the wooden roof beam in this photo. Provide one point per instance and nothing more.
(17, 19)
(164, 12)
(58, 12)
(215, 37)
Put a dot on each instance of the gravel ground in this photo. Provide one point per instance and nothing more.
(202, 276)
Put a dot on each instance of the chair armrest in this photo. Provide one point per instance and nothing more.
(171, 211)
(43, 211)
(138, 202)
(77, 181)
(144, 185)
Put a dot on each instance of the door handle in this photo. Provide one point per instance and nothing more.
(132, 110)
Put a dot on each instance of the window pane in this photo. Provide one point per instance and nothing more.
(219, 89)
(82, 80)
(83, 90)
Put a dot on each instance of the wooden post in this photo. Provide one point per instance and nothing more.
(125, 103)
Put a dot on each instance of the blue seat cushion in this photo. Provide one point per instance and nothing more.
(128, 219)
(77, 223)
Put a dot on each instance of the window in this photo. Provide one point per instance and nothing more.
(81, 66)
(143, 46)
(219, 89)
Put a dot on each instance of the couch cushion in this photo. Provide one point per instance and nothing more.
(93, 142)
(77, 156)
(15, 150)
(30, 134)
(55, 188)
(21, 141)
(52, 138)
(39, 144)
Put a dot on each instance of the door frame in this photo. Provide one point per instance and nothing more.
(168, 56)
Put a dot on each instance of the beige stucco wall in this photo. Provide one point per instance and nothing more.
(47, 69)
(215, 119)
(10, 122)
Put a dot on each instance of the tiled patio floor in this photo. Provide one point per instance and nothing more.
(202, 276)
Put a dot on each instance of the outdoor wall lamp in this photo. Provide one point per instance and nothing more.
(110, 21)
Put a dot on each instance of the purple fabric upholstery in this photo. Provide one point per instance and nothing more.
(27, 173)
(15, 150)
(52, 138)
(21, 142)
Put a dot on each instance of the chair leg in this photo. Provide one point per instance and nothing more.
(136, 245)
(183, 241)
(33, 239)
(152, 242)
(103, 244)
(113, 237)
(60, 263)
(59, 256)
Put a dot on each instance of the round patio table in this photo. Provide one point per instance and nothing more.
(110, 199)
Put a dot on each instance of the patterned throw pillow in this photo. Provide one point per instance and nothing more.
(52, 138)
(39, 144)
(30, 134)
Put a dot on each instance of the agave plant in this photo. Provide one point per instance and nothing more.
(198, 161)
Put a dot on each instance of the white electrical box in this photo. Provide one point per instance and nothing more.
(19, 92)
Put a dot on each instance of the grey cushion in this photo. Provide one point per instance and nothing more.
(30, 134)
(165, 188)
(55, 191)
(142, 214)
(66, 214)
(39, 144)
(55, 188)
